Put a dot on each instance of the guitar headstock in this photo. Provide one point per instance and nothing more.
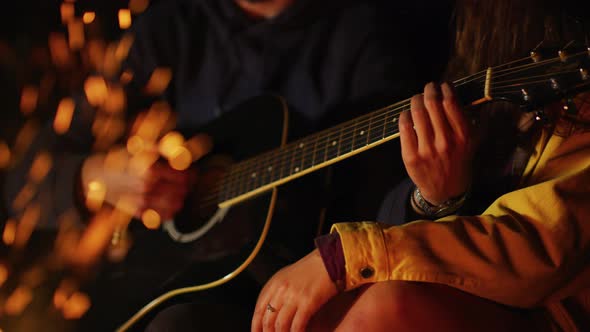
(546, 76)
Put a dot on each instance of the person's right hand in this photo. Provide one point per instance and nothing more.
(160, 187)
(437, 149)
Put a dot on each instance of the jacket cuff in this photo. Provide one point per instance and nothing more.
(365, 253)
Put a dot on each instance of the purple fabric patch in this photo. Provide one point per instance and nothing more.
(330, 248)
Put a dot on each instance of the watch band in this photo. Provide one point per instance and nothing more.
(446, 208)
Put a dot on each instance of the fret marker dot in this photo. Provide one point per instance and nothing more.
(253, 175)
(296, 169)
(269, 168)
(333, 143)
(301, 145)
(394, 120)
(362, 132)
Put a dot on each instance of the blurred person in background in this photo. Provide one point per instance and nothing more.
(194, 61)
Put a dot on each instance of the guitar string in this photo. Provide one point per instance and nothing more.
(369, 117)
(300, 159)
(498, 73)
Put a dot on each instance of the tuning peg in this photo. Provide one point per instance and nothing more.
(570, 107)
(584, 73)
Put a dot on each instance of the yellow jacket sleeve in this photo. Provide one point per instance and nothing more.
(529, 246)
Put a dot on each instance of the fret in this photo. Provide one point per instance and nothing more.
(275, 165)
(316, 138)
(333, 144)
(375, 127)
(307, 151)
(360, 134)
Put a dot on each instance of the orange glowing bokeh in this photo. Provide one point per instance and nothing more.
(58, 48)
(151, 219)
(18, 301)
(180, 159)
(9, 233)
(126, 76)
(27, 224)
(138, 6)
(76, 306)
(63, 116)
(40, 167)
(76, 34)
(3, 274)
(24, 196)
(158, 81)
(67, 12)
(29, 99)
(96, 90)
(169, 143)
(88, 17)
(124, 18)
(5, 155)
(95, 195)
(116, 99)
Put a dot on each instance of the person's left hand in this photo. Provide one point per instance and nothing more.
(293, 295)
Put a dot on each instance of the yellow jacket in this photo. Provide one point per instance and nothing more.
(530, 248)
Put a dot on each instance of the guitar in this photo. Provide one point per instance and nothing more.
(250, 164)
(530, 83)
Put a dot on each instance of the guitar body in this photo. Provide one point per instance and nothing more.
(156, 263)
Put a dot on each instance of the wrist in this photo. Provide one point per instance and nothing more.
(430, 210)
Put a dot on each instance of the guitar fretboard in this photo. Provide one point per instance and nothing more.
(313, 152)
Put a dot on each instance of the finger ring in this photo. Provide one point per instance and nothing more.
(270, 308)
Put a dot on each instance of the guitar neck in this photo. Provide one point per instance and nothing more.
(298, 158)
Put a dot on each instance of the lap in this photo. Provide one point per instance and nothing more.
(414, 306)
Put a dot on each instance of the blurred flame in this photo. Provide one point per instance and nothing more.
(9, 234)
(94, 239)
(4, 155)
(124, 18)
(116, 99)
(41, 166)
(24, 196)
(151, 219)
(27, 224)
(126, 76)
(29, 98)
(3, 274)
(76, 306)
(180, 158)
(63, 292)
(96, 90)
(63, 116)
(58, 48)
(95, 195)
(18, 301)
(169, 143)
(25, 136)
(67, 12)
(88, 17)
(76, 34)
(159, 81)
(123, 46)
(138, 6)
